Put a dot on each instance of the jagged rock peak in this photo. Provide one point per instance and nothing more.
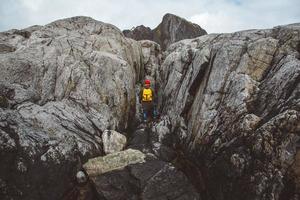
(139, 33)
(172, 29)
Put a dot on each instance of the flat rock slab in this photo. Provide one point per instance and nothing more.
(118, 160)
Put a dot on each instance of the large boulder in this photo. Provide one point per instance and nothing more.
(170, 30)
(62, 85)
(233, 102)
(132, 174)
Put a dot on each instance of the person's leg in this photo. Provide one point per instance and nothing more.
(154, 112)
(145, 111)
(144, 115)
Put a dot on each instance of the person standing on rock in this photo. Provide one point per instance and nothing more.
(148, 101)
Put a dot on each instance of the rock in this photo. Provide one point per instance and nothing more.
(156, 140)
(6, 94)
(170, 30)
(173, 29)
(139, 33)
(162, 140)
(113, 141)
(61, 88)
(83, 191)
(109, 183)
(4, 48)
(81, 177)
(296, 174)
(3, 102)
(169, 183)
(140, 140)
(152, 57)
(133, 175)
(118, 160)
(229, 127)
(233, 99)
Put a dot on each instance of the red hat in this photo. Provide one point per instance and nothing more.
(147, 81)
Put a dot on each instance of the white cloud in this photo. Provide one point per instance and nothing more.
(215, 22)
(212, 15)
(235, 15)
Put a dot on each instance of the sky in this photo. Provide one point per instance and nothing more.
(215, 16)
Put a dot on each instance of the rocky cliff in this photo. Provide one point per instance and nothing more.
(233, 102)
(170, 30)
(229, 107)
(62, 85)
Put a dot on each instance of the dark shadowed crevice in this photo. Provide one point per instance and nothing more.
(84, 191)
(25, 34)
(298, 48)
(198, 80)
(289, 188)
(192, 172)
(201, 76)
(194, 89)
(5, 48)
(292, 87)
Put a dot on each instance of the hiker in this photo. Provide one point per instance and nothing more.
(148, 100)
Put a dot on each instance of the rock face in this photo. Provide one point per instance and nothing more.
(152, 58)
(62, 85)
(170, 30)
(174, 28)
(233, 101)
(229, 104)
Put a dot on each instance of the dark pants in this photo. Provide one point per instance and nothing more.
(148, 109)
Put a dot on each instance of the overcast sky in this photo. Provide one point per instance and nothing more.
(212, 15)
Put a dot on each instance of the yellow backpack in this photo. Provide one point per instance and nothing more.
(147, 95)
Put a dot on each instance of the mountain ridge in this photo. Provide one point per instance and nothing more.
(171, 29)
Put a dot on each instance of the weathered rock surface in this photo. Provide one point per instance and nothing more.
(152, 58)
(132, 174)
(170, 30)
(113, 161)
(233, 102)
(113, 141)
(62, 85)
(230, 106)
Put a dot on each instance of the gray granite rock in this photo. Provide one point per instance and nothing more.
(62, 85)
(233, 103)
(229, 104)
(113, 141)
